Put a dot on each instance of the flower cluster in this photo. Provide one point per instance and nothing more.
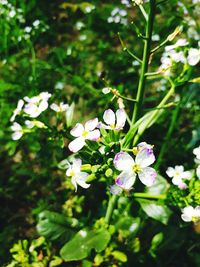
(31, 108)
(179, 176)
(175, 54)
(118, 15)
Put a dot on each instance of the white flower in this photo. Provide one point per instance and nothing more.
(193, 56)
(17, 110)
(34, 123)
(106, 90)
(77, 176)
(59, 108)
(196, 152)
(130, 168)
(114, 121)
(37, 104)
(198, 171)
(180, 42)
(36, 23)
(17, 131)
(86, 132)
(191, 214)
(28, 29)
(178, 176)
(115, 189)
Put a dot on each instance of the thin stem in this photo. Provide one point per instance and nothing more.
(143, 12)
(145, 61)
(155, 115)
(110, 208)
(148, 196)
(168, 136)
(127, 50)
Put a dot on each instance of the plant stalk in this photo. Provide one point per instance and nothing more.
(110, 208)
(148, 196)
(145, 61)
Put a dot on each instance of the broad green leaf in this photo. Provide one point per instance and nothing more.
(55, 226)
(159, 212)
(118, 255)
(83, 242)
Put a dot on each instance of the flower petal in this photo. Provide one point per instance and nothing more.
(94, 135)
(91, 124)
(147, 176)
(77, 130)
(76, 165)
(123, 161)
(16, 127)
(73, 180)
(145, 157)
(43, 105)
(121, 118)
(126, 180)
(81, 178)
(109, 117)
(115, 189)
(17, 135)
(76, 144)
(170, 171)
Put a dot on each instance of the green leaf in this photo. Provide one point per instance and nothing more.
(118, 255)
(128, 225)
(83, 242)
(55, 226)
(159, 212)
(159, 187)
(155, 242)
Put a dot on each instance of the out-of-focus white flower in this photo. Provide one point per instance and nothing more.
(17, 131)
(12, 13)
(114, 121)
(193, 56)
(106, 90)
(190, 214)
(155, 37)
(130, 168)
(59, 108)
(196, 152)
(37, 104)
(82, 133)
(36, 23)
(77, 176)
(118, 16)
(198, 171)
(59, 85)
(180, 42)
(17, 110)
(28, 29)
(178, 56)
(126, 3)
(178, 176)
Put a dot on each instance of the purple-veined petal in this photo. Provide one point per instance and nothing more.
(145, 157)
(93, 136)
(76, 165)
(109, 117)
(91, 125)
(77, 130)
(147, 176)
(123, 161)
(126, 180)
(76, 144)
(121, 118)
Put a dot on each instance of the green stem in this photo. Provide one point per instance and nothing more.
(110, 208)
(149, 196)
(168, 136)
(145, 61)
(155, 115)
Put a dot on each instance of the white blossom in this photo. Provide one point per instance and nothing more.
(178, 176)
(17, 131)
(59, 108)
(193, 56)
(77, 176)
(17, 110)
(114, 121)
(191, 214)
(83, 133)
